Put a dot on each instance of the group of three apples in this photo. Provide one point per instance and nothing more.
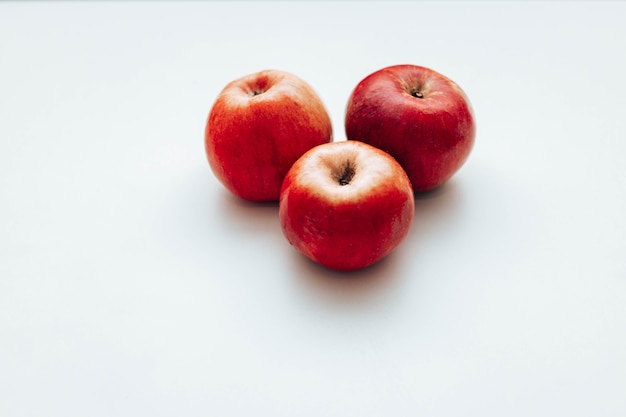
(344, 204)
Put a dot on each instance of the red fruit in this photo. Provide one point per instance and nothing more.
(420, 117)
(258, 127)
(346, 205)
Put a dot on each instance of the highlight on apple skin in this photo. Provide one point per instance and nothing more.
(346, 205)
(259, 125)
(419, 116)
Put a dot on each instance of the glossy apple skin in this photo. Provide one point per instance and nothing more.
(430, 136)
(258, 127)
(346, 227)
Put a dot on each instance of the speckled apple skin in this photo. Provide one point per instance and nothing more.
(346, 227)
(430, 136)
(258, 127)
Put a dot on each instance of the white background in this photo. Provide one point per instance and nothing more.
(133, 284)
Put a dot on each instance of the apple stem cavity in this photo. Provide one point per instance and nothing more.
(346, 176)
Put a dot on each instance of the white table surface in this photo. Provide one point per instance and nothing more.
(133, 284)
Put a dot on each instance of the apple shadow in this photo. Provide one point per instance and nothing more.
(345, 287)
(436, 213)
(258, 218)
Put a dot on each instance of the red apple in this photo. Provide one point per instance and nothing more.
(258, 127)
(420, 117)
(346, 205)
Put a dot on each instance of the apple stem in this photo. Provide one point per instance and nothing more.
(417, 93)
(346, 176)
